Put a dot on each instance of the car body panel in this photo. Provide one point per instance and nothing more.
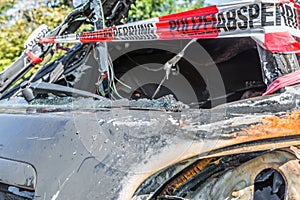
(88, 151)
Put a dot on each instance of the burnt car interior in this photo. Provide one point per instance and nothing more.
(236, 59)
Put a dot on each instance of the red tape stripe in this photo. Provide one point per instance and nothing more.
(34, 59)
(284, 81)
(199, 23)
(281, 42)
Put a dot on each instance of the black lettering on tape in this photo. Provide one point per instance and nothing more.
(173, 25)
(244, 24)
(194, 23)
(130, 30)
(105, 33)
(253, 13)
(206, 22)
(120, 31)
(115, 31)
(138, 29)
(289, 16)
(231, 17)
(283, 14)
(150, 27)
(214, 21)
(298, 18)
(221, 22)
(108, 33)
(209, 23)
(265, 14)
(143, 29)
(186, 25)
(152, 31)
(182, 25)
(278, 15)
(177, 25)
(295, 18)
(125, 31)
(200, 20)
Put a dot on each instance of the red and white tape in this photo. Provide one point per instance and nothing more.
(274, 24)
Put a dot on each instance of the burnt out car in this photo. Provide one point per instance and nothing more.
(170, 119)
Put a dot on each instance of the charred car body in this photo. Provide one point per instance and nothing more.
(110, 121)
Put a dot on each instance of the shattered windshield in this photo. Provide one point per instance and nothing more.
(202, 58)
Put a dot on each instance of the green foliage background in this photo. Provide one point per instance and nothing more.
(13, 36)
(145, 9)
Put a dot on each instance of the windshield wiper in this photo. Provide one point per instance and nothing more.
(31, 90)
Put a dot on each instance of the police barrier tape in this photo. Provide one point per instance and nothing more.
(275, 25)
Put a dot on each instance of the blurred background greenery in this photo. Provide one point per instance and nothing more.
(18, 18)
(145, 9)
(16, 27)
